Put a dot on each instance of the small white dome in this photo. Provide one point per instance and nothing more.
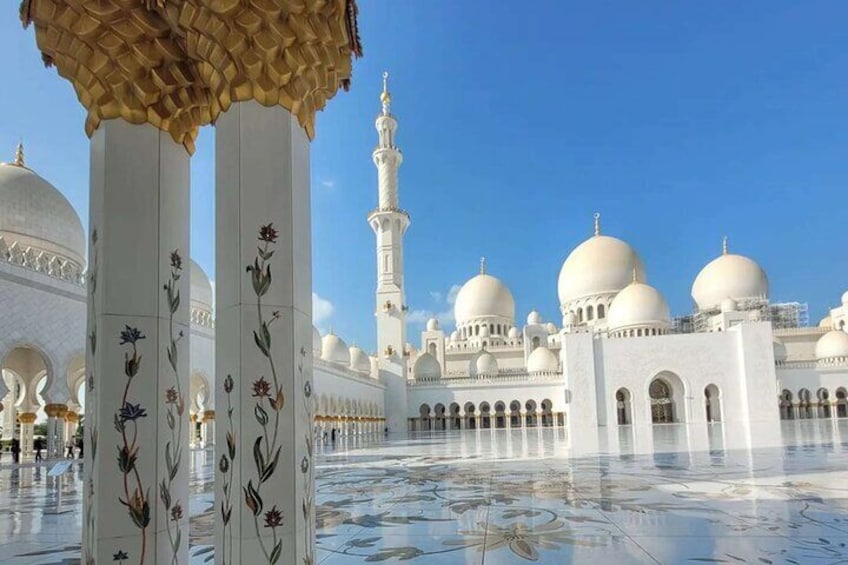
(826, 322)
(359, 360)
(832, 345)
(483, 364)
(780, 353)
(638, 304)
(845, 298)
(729, 276)
(601, 265)
(483, 295)
(317, 346)
(201, 288)
(569, 319)
(729, 305)
(427, 367)
(513, 333)
(542, 360)
(432, 325)
(534, 318)
(335, 350)
(454, 335)
(34, 213)
(551, 327)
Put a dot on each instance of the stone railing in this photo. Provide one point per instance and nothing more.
(519, 376)
(804, 330)
(335, 368)
(202, 317)
(41, 261)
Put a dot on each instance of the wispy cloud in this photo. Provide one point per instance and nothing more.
(442, 308)
(322, 309)
(328, 183)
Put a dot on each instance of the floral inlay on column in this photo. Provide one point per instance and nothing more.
(135, 498)
(266, 452)
(225, 466)
(175, 408)
(306, 466)
(91, 422)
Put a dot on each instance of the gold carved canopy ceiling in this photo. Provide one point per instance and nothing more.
(177, 64)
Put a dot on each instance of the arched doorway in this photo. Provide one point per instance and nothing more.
(786, 411)
(515, 414)
(440, 416)
(805, 406)
(547, 413)
(662, 403)
(712, 403)
(623, 411)
(500, 417)
(485, 415)
(841, 403)
(470, 419)
(531, 420)
(824, 403)
(424, 417)
(456, 420)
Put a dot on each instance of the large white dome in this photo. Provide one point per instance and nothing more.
(600, 265)
(483, 364)
(335, 350)
(832, 345)
(638, 304)
(542, 360)
(729, 276)
(483, 295)
(201, 288)
(427, 367)
(35, 214)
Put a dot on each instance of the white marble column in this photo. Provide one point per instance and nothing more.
(55, 429)
(264, 476)
(27, 420)
(136, 429)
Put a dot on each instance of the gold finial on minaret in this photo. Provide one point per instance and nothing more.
(386, 97)
(635, 275)
(597, 223)
(482, 265)
(19, 155)
(724, 245)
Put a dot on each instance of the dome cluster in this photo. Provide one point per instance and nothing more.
(333, 349)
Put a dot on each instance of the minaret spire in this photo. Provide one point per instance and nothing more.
(724, 245)
(597, 223)
(482, 265)
(386, 96)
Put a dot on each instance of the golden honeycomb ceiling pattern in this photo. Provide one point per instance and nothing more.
(177, 64)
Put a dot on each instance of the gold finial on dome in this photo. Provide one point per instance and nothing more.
(724, 245)
(386, 97)
(635, 275)
(482, 265)
(19, 155)
(597, 223)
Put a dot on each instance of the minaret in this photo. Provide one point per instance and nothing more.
(389, 223)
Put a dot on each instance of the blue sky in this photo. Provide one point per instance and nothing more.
(679, 122)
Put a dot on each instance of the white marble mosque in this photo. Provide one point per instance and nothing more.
(245, 436)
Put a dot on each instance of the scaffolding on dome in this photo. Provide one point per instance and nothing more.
(782, 315)
(789, 315)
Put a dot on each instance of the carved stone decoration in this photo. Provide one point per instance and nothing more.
(178, 64)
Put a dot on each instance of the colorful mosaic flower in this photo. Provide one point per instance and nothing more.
(131, 335)
(261, 388)
(268, 233)
(273, 518)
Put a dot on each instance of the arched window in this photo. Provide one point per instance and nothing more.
(590, 313)
(476, 330)
(491, 328)
(580, 314)
(601, 311)
(536, 342)
(662, 405)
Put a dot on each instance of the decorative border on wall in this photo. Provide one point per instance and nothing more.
(90, 417)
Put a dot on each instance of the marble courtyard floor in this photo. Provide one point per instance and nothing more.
(520, 496)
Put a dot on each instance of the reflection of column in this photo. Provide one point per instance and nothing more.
(462, 417)
(27, 420)
(264, 333)
(55, 428)
(136, 428)
(192, 438)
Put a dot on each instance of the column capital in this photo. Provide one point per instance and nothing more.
(56, 410)
(27, 417)
(208, 415)
(71, 416)
(178, 64)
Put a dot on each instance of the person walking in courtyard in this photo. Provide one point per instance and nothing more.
(16, 450)
(70, 449)
(38, 447)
